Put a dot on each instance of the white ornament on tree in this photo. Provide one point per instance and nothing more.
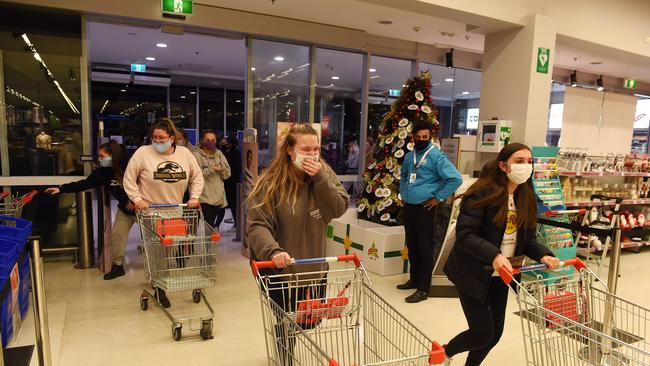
(399, 153)
(403, 122)
(426, 109)
(361, 207)
(385, 217)
(403, 134)
(413, 107)
(410, 146)
(419, 96)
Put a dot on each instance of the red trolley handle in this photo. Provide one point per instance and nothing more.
(28, 197)
(580, 211)
(257, 265)
(4, 194)
(507, 277)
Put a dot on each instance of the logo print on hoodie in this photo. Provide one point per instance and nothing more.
(169, 172)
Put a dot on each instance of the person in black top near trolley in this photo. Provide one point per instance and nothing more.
(109, 174)
(496, 227)
(230, 148)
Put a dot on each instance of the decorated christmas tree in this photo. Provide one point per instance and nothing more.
(380, 200)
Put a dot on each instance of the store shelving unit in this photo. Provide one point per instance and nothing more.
(582, 251)
(603, 174)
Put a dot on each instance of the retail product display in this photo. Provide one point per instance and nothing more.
(625, 177)
(548, 188)
(380, 201)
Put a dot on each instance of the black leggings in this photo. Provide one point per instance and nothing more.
(213, 213)
(485, 321)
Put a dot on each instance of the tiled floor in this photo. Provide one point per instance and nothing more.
(96, 322)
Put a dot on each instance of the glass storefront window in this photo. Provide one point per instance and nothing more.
(182, 104)
(280, 90)
(339, 83)
(234, 112)
(128, 112)
(43, 97)
(211, 109)
(556, 110)
(467, 94)
(385, 74)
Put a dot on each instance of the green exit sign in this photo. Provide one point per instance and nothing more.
(394, 92)
(630, 84)
(138, 68)
(182, 7)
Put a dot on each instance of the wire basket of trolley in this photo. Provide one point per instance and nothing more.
(333, 317)
(569, 317)
(180, 251)
(14, 206)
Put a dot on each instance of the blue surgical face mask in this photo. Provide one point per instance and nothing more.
(162, 147)
(106, 162)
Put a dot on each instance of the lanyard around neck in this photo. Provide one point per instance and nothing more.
(417, 165)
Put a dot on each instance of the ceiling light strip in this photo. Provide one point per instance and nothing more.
(38, 58)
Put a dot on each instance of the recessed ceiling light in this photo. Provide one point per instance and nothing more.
(238, 101)
(374, 77)
(403, 85)
(123, 90)
(182, 97)
(335, 77)
(465, 93)
(278, 58)
(372, 70)
(253, 69)
(150, 58)
(449, 80)
(385, 22)
(435, 84)
(192, 92)
(161, 45)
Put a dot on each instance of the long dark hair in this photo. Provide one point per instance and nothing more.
(115, 151)
(494, 181)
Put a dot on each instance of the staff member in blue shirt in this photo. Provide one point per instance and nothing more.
(427, 178)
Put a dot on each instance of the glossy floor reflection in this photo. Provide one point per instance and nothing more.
(97, 322)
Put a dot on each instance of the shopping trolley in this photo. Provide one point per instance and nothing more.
(14, 208)
(180, 254)
(572, 319)
(333, 317)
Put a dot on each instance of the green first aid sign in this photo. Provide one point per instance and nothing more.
(183, 7)
(543, 58)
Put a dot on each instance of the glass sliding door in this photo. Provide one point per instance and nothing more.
(280, 91)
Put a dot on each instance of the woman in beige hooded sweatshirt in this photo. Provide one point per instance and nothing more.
(215, 170)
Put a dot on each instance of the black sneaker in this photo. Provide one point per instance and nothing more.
(116, 271)
(162, 298)
(417, 296)
(408, 285)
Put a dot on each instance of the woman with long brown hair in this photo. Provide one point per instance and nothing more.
(496, 224)
(109, 174)
(289, 209)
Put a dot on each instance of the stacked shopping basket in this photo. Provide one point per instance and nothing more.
(14, 274)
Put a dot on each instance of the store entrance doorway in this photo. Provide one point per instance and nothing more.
(141, 74)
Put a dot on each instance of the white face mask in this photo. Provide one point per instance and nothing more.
(300, 157)
(519, 173)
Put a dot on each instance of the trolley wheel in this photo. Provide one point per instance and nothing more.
(206, 329)
(196, 296)
(176, 332)
(144, 303)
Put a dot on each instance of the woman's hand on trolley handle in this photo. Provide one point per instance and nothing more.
(551, 262)
(281, 259)
(501, 261)
(141, 205)
(193, 203)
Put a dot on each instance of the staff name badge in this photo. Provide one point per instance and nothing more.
(412, 177)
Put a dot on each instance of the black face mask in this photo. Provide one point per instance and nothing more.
(421, 145)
